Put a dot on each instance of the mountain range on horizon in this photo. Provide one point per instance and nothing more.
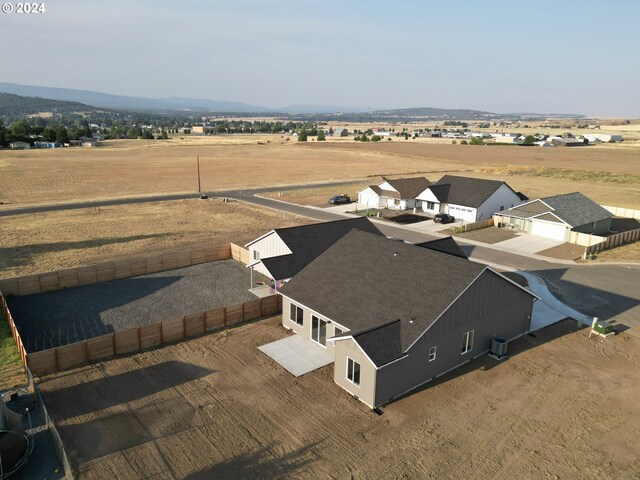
(184, 104)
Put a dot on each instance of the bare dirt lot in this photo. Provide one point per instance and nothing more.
(560, 406)
(51, 241)
(125, 168)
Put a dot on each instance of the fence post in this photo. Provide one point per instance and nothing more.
(55, 354)
(113, 343)
(184, 326)
(243, 312)
(86, 351)
(261, 314)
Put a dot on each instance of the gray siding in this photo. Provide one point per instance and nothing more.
(491, 307)
(601, 227)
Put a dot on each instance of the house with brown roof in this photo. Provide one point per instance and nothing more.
(395, 316)
(398, 194)
(468, 199)
(557, 216)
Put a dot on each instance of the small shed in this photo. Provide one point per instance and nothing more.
(341, 132)
(19, 146)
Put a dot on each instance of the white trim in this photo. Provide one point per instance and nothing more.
(314, 311)
(468, 345)
(253, 264)
(536, 217)
(392, 361)
(368, 186)
(261, 237)
(514, 283)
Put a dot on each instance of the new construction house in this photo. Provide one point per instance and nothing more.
(394, 316)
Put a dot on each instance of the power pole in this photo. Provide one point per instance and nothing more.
(199, 191)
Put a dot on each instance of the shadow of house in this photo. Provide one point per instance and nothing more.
(99, 394)
(57, 318)
(23, 254)
(261, 464)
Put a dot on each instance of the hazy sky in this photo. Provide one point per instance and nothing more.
(503, 56)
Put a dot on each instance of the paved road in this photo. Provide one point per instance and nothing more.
(153, 198)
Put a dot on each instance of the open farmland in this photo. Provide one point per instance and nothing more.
(43, 242)
(128, 168)
(216, 407)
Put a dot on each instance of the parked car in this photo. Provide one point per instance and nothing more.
(444, 218)
(338, 199)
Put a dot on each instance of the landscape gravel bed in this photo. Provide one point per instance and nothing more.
(52, 319)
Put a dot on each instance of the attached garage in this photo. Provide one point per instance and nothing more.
(555, 231)
(371, 198)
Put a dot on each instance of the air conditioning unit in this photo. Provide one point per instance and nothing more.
(498, 348)
(601, 328)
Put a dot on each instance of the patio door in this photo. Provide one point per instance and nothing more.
(318, 330)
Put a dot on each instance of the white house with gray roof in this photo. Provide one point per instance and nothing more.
(397, 194)
(468, 199)
(395, 316)
(556, 217)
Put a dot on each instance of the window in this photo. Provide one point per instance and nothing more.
(318, 330)
(353, 371)
(467, 342)
(431, 205)
(296, 314)
(432, 354)
(337, 331)
(501, 207)
(396, 202)
(256, 255)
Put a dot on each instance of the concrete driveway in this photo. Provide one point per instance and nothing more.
(528, 244)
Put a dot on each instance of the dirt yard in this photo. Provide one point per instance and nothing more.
(51, 241)
(560, 406)
(126, 168)
(319, 197)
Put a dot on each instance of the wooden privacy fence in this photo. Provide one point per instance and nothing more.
(137, 339)
(14, 331)
(613, 241)
(129, 267)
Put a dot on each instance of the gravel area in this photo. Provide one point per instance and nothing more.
(52, 319)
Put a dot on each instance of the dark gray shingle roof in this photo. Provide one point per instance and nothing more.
(409, 187)
(469, 192)
(308, 241)
(381, 344)
(364, 280)
(573, 208)
(445, 245)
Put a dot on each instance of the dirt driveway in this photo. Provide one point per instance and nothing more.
(216, 407)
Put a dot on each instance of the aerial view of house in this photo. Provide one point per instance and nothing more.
(468, 199)
(399, 194)
(396, 316)
(282, 253)
(555, 217)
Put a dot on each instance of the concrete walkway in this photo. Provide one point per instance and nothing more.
(297, 354)
(549, 309)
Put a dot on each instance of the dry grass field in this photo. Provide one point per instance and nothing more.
(55, 240)
(127, 168)
(217, 407)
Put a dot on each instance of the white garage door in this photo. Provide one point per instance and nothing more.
(549, 230)
(369, 199)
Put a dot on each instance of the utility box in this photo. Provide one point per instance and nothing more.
(602, 327)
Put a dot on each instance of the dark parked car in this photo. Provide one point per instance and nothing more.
(338, 199)
(444, 218)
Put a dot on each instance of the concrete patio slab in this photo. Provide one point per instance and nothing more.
(297, 354)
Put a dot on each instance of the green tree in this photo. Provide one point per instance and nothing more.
(463, 142)
(163, 135)
(62, 136)
(146, 134)
(49, 134)
(19, 129)
(302, 135)
(529, 140)
(321, 136)
(3, 134)
(476, 141)
(376, 138)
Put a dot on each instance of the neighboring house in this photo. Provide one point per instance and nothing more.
(88, 142)
(283, 252)
(568, 141)
(341, 132)
(399, 194)
(19, 146)
(468, 199)
(396, 316)
(555, 217)
(602, 137)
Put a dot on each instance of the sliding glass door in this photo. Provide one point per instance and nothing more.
(318, 330)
